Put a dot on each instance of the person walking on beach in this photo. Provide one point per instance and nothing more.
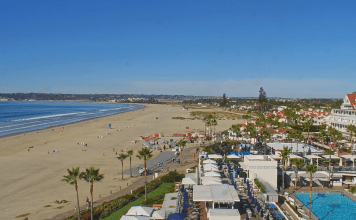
(75, 209)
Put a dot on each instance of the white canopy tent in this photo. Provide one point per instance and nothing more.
(216, 193)
(212, 174)
(293, 156)
(233, 156)
(140, 211)
(130, 217)
(189, 181)
(158, 215)
(208, 161)
(207, 181)
(214, 156)
(348, 157)
(311, 157)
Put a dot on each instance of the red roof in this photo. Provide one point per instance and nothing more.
(352, 99)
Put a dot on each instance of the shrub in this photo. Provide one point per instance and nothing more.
(259, 185)
(172, 177)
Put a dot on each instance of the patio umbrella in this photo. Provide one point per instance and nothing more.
(246, 216)
(177, 216)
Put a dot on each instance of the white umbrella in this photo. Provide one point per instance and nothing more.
(140, 210)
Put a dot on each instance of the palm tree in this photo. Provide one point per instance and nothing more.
(122, 157)
(297, 163)
(129, 154)
(284, 154)
(310, 169)
(237, 130)
(352, 130)
(145, 154)
(72, 179)
(265, 134)
(214, 123)
(306, 126)
(91, 175)
(329, 152)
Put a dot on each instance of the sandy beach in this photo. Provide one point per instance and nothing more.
(31, 179)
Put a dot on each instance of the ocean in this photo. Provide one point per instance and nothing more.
(17, 117)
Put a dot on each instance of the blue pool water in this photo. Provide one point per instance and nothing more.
(330, 206)
(16, 117)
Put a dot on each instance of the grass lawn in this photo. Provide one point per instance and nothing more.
(162, 189)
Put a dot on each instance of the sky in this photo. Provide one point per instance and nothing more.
(291, 48)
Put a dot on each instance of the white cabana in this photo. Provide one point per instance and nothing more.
(140, 210)
(131, 217)
(189, 181)
(348, 157)
(214, 156)
(276, 157)
(212, 174)
(332, 156)
(207, 181)
(158, 215)
(233, 156)
(226, 214)
(217, 194)
(208, 166)
(311, 157)
(208, 161)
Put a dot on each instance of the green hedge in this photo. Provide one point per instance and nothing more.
(107, 208)
(259, 185)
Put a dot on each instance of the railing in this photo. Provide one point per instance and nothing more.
(333, 169)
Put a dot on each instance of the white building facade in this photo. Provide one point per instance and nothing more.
(345, 116)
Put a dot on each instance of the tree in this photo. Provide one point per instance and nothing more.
(329, 152)
(237, 130)
(297, 163)
(224, 101)
(264, 135)
(352, 130)
(262, 100)
(145, 154)
(214, 123)
(122, 157)
(91, 175)
(334, 134)
(72, 179)
(310, 169)
(284, 154)
(306, 126)
(297, 135)
(129, 154)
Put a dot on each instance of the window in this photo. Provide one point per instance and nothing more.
(273, 168)
(266, 167)
(251, 168)
(259, 167)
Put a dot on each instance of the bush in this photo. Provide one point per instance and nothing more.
(259, 185)
(172, 177)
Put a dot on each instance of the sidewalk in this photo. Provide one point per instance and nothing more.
(185, 155)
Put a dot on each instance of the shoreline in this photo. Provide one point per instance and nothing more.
(70, 123)
(31, 178)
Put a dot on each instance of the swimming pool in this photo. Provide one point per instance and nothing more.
(331, 206)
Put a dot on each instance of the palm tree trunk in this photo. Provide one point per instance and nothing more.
(283, 177)
(130, 168)
(310, 195)
(76, 189)
(145, 183)
(122, 169)
(329, 170)
(296, 177)
(92, 200)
